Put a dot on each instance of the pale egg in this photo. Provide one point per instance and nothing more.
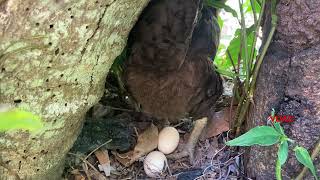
(168, 140)
(154, 164)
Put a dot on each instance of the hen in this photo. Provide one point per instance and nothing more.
(169, 72)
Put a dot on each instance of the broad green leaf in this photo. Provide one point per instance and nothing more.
(229, 74)
(278, 127)
(278, 170)
(221, 5)
(304, 158)
(260, 135)
(220, 59)
(234, 50)
(19, 119)
(283, 152)
(248, 8)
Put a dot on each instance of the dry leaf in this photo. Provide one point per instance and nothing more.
(147, 141)
(79, 177)
(95, 175)
(219, 123)
(103, 158)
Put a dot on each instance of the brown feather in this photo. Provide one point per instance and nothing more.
(168, 71)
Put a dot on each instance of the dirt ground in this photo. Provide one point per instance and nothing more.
(114, 119)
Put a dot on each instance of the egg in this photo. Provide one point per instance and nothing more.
(154, 163)
(168, 140)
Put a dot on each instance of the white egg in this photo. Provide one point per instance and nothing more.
(168, 140)
(154, 163)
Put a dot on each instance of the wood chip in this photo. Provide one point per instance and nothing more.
(103, 158)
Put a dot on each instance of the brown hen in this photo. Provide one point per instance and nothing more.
(168, 71)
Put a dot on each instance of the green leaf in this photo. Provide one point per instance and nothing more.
(278, 127)
(221, 5)
(19, 119)
(283, 152)
(304, 158)
(278, 170)
(226, 73)
(220, 22)
(260, 135)
(234, 48)
(248, 8)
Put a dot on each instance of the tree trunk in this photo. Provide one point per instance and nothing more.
(289, 81)
(54, 58)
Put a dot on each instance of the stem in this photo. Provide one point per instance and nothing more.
(243, 110)
(231, 60)
(257, 26)
(265, 48)
(235, 124)
(278, 170)
(97, 149)
(245, 43)
(84, 160)
(259, 62)
(253, 11)
(254, 78)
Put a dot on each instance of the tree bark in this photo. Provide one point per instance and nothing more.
(54, 58)
(289, 81)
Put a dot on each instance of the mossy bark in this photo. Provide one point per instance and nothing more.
(54, 58)
(289, 81)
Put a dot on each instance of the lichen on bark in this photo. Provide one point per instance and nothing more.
(55, 56)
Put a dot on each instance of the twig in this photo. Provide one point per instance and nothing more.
(119, 109)
(137, 173)
(84, 160)
(314, 154)
(97, 148)
(85, 168)
(217, 153)
(167, 167)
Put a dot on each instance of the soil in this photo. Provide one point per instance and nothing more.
(118, 121)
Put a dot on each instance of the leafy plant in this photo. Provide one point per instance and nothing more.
(270, 135)
(240, 60)
(19, 119)
(229, 60)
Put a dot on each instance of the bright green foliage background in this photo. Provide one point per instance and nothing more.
(232, 42)
(19, 119)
